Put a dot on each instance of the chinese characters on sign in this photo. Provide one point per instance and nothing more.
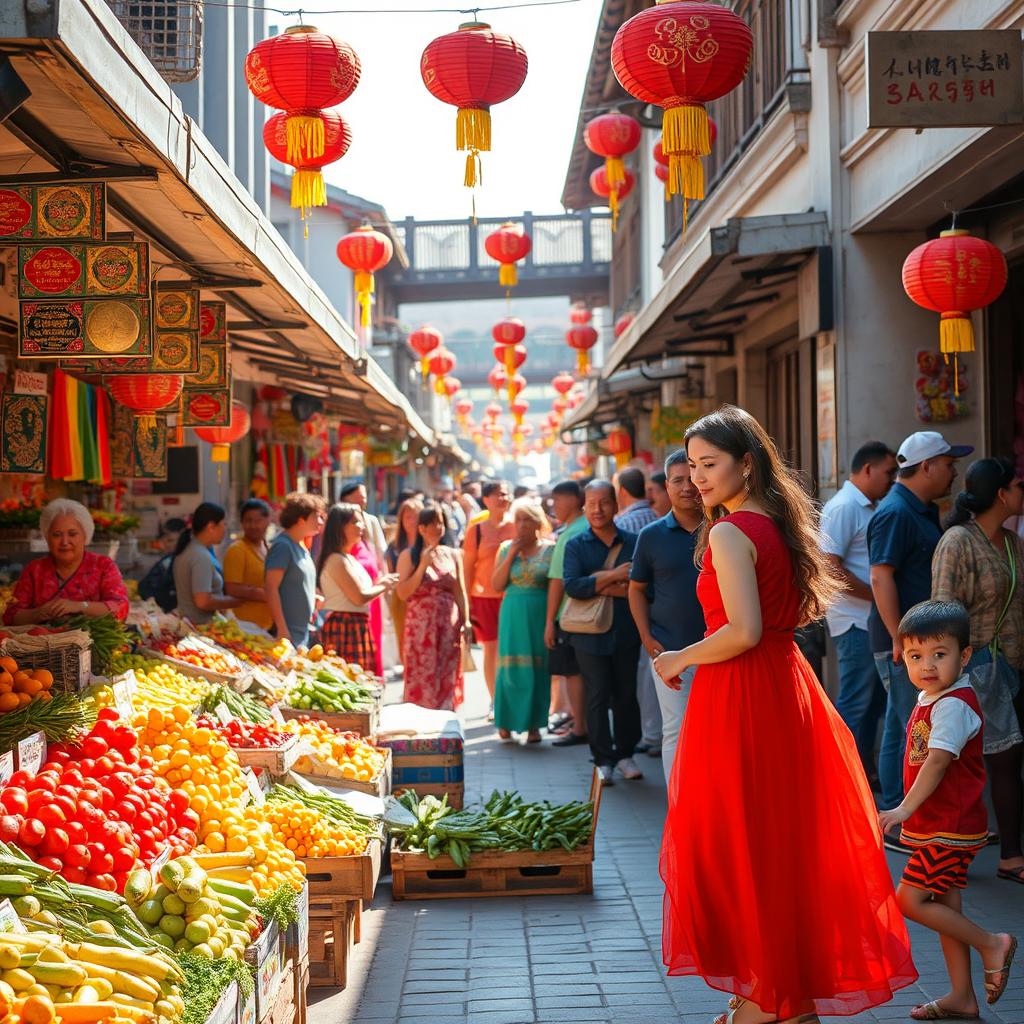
(944, 79)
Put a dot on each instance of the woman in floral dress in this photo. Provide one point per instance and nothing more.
(431, 583)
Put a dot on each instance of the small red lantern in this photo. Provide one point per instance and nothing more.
(301, 72)
(620, 445)
(575, 398)
(365, 251)
(308, 189)
(452, 386)
(493, 411)
(680, 56)
(513, 356)
(223, 437)
(661, 173)
(147, 393)
(515, 385)
(463, 407)
(559, 405)
(563, 383)
(612, 136)
(473, 69)
(952, 275)
(507, 246)
(423, 342)
(498, 377)
(441, 363)
(519, 407)
(600, 185)
(623, 324)
(579, 314)
(582, 337)
(508, 334)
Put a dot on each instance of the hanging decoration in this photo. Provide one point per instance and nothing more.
(600, 186)
(222, 438)
(463, 407)
(623, 324)
(146, 394)
(563, 383)
(559, 405)
(579, 313)
(508, 334)
(308, 189)
(492, 412)
(441, 363)
(680, 56)
(515, 386)
(301, 72)
(472, 69)
(512, 356)
(424, 341)
(620, 445)
(498, 378)
(575, 398)
(519, 407)
(507, 246)
(452, 386)
(612, 136)
(661, 157)
(583, 338)
(365, 251)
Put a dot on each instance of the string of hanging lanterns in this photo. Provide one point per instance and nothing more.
(424, 341)
(365, 251)
(612, 136)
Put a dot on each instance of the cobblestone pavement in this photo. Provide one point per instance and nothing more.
(581, 958)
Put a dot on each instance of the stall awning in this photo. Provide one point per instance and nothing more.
(726, 277)
(98, 109)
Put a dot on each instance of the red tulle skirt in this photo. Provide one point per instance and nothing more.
(776, 884)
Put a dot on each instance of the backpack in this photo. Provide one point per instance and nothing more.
(158, 584)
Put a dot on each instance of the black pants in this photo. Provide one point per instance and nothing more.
(610, 681)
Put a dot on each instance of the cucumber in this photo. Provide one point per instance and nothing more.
(138, 886)
(171, 874)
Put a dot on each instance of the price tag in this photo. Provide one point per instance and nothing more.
(253, 785)
(123, 699)
(160, 861)
(9, 920)
(290, 680)
(275, 714)
(6, 766)
(32, 752)
(222, 713)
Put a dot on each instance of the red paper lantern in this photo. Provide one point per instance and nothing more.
(365, 251)
(680, 56)
(574, 398)
(513, 356)
(308, 188)
(452, 386)
(559, 405)
(620, 445)
(661, 156)
(223, 437)
(301, 72)
(612, 136)
(952, 275)
(507, 246)
(498, 377)
(147, 393)
(423, 342)
(441, 363)
(582, 337)
(473, 69)
(463, 407)
(563, 383)
(579, 314)
(661, 173)
(493, 411)
(519, 407)
(600, 185)
(623, 324)
(515, 385)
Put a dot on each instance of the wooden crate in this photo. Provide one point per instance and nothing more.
(455, 791)
(282, 1010)
(300, 988)
(362, 723)
(276, 760)
(332, 922)
(350, 877)
(498, 873)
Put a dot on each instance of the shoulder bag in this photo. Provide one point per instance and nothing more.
(590, 615)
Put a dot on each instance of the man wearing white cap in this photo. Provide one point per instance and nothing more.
(902, 538)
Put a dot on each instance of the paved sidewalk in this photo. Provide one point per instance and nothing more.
(580, 958)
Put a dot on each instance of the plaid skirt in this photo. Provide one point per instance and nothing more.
(348, 635)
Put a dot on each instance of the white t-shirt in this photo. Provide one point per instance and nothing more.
(335, 599)
(954, 722)
(844, 533)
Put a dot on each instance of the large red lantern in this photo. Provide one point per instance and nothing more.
(582, 337)
(519, 407)
(680, 56)
(498, 377)
(308, 188)
(365, 251)
(441, 363)
(301, 72)
(620, 445)
(579, 314)
(952, 275)
(423, 342)
(146, 393)
(623, 324)
(600, 185)
(513, 356)
(563, 383)
(515, 385)
(507, 246)
(473, 69)
(223, 437)
(612, 136)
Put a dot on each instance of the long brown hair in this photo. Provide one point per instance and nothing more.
(772, 484)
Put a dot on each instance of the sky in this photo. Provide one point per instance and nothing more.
(403, 139)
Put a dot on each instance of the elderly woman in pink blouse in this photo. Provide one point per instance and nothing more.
(69, 580)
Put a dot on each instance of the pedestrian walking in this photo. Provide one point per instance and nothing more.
(657, 495)
(406, 532)
(567, 499)
(348, 588)
(483, 538)
(244, 565)
(663, 601)
(198, 577)
(432, 584)
(794, 921)
(980, 564)
(522, 692)
(604, 639)
(635, 510)
(844, 538)
(943, 815)
(902, 537)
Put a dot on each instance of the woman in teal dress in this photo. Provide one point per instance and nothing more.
(522, 693)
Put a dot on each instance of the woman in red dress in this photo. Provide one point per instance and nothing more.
(776, 885)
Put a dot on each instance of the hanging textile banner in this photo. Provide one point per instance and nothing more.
(88, 329)
(122, 441)
(86, 270)
(67, 212)
(149, 448)
(209, 408)
(23, 429)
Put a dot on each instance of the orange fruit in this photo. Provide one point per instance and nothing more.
(9, 665)
(24, 698)
(9, 701)
(44, 676)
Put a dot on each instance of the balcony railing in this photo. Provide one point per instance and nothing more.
(778, 64)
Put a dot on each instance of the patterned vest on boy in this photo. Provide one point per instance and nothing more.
(955, 814)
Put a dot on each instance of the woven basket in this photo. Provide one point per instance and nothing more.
(69, 664)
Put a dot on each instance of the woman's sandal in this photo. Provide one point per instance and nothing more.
(534, 736)
(992, 990)
(737, 1001)
(1012, 874)
(932, 1011)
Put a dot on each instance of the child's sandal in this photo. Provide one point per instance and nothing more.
(994, 991)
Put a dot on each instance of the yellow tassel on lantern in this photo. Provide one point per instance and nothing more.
(424, 367)
(519, 419)
(364, 289)
(685, 138)
(613, 205)
(614, 172)
(622, 459)
(305, 138)
(439, 386)
(308, 190)
(510, 359)
(473, 136)
(220, 453)
(507, 275)
(582, 361)
(956, 333)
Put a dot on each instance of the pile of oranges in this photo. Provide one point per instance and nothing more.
(18, 687)
(273, 863)
(307, 833)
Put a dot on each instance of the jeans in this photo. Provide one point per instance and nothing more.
(902, 696)
(673, 710)
(861, 701)
(610, 683)
(647, 685)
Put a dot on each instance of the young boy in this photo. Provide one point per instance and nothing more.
(943, 815)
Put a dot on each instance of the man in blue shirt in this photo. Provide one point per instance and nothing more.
(663, 600)
(607, 660)
(902, 537)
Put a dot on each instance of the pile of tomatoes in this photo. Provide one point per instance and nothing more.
(96, 811)
(246, 735)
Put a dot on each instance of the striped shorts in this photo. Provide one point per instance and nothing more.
(937, 868)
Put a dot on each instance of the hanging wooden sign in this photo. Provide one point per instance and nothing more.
(23, 430)
(68, 212)
(209, 408)
(213, 369)
(176, 309)
(83, 270)
(149, 448)
(213, 322)
(173, 352)
(89, 328)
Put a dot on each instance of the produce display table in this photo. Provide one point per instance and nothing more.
(363, 723)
